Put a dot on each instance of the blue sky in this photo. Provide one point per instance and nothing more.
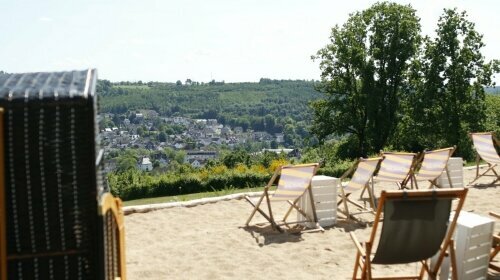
(229, 40)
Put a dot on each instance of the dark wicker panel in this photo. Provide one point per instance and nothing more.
(52, 185)
(111, 246)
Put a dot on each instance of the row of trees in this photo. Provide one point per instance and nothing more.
(386, 85)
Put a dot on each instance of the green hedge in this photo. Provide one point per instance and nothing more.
(134, 184)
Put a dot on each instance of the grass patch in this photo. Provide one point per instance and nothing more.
(187, 197)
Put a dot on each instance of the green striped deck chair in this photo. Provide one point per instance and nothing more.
(364, 169)
(396, 168)
(417, 225)
(433, 164)
(294, 181)
(485, 147)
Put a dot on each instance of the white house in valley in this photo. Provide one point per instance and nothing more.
(145, 164)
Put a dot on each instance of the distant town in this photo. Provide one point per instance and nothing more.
(200, 139)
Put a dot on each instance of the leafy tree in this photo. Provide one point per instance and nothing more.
(173, 155)
(267, 158)
(274, 144)
(493, 114)
(162, 136)
(449, 79)
(231, 159)
(140, 131)
(363, 70)
(125, 162)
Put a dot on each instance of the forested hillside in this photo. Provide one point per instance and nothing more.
(236, 104)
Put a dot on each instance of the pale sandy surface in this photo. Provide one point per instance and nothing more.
(210, 242)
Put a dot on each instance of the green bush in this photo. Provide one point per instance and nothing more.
(134, 185)
(336, 169)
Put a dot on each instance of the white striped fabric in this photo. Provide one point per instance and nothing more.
(362, 175)
(395, 167)
(433, 164)
(484, 147)
(293, 182)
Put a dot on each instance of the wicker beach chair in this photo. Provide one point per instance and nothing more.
(416, 226)
(432, 166)
(294, 181)
(484, 142)
(495, 264)
(57, 218)
(363, 171)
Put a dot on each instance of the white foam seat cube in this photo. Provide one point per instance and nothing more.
(455, 166)
(324, 189)
(473, 237)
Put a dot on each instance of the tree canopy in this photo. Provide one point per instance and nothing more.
(386, 86)
(363, 69)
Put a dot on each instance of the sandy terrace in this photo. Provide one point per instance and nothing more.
(210, 242)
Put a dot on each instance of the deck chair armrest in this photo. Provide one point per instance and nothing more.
(358, 245)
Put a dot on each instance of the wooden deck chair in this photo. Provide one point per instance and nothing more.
(495, 265)
(396, 168)
(363, 172)
(432, 166)
(57, 217)
(417, 226)
(294, 181)
(484, 142)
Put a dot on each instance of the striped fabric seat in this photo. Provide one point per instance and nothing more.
(360, 179)
(395, 167)
(294, 181)
(484, 147)
(484, 142)
(363, 174)
(433, 165)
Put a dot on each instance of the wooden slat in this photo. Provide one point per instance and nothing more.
(476, 274)
(480, 239)
(481, 229)
(476, 263)
(326, 206)
(477, 251)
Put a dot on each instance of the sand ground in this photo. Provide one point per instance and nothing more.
(210, 242)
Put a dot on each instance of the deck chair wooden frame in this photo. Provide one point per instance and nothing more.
(292, 201)
(432, 164)
(362, 171)
(484, 143)
(495, 247)
(364, 261)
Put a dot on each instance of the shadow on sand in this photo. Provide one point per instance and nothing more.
(265, 235)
